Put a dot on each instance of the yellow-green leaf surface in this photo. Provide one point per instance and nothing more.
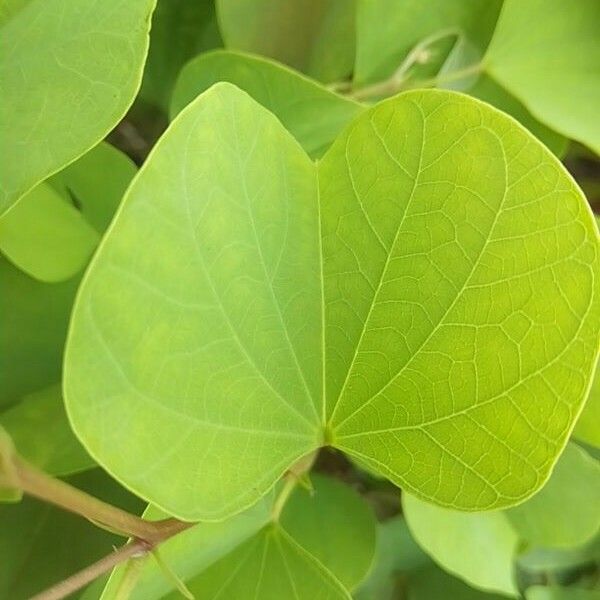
(236, 319)
(587, 428)
(565, 511)
(310, 112)
(539, 592)
(476, 547)
(313, 36)
(41, 433)
(552, 68)
(68, 72)
(46, 236)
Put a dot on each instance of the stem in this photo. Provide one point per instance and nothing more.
(473, 69)
(395, 82)
(36, 483)
(87, 575)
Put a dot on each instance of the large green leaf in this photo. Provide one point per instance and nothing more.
(41, 433)
(313, 36)
(310, 112)
(565, 511)
(387, 30)
(68, 73)
(180, 29)
(477, 547)
(236, 320)
(547, 53)
(41, 544)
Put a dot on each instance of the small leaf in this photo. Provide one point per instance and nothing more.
(66, 82)
(46, 236)
(42, 435)
(180, 30)
(541, 52)
(477, 547)
(565, 511)
(310, 112)
(313, 36)
(348, 547)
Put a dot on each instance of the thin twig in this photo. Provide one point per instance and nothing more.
(82, 578)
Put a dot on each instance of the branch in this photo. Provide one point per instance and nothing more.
(76, 582)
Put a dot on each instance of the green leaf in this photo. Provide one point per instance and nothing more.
(8, 491)
(313, 36)
(386, 34)
(180, 30)
(33, 327)
(488, 90)
(587, 428)
(41, 433)
(542, 51)
(396, 554)
(565, 511)
(40, 545)
(46, 236)
(270, 565)
(310, 112)
(444, 275)
(348, 547)
(477, 547)
(66, 81)
(432, 583)
(539, 592)
(96, 182)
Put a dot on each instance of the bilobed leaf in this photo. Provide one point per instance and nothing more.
(310, 112)
(236, 320)
(476, 547)
(46, 236)
(66, 81)
(270, 565)
(565, 511)
(180, 30)
(41, 433)
(40, 545)
(551, 67)
(387, 32)
(313, 36)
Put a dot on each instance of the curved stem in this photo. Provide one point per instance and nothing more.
(40, 485)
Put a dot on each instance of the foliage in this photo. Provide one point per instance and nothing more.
(337, 337)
